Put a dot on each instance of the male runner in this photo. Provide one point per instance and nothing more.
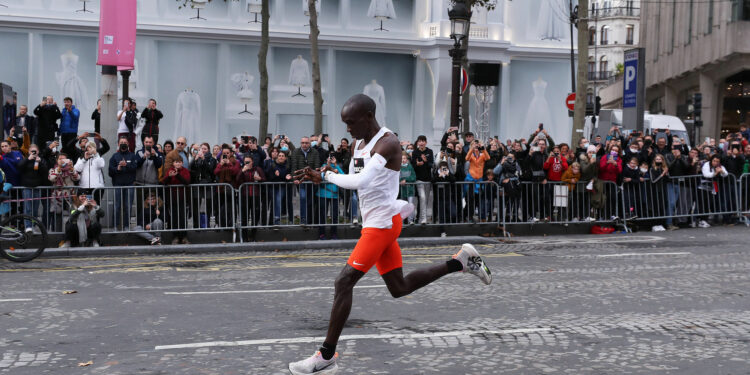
(374, 173)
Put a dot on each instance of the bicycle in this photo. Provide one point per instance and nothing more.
(22, 238)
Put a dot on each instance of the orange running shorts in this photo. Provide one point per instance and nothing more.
(378, 247)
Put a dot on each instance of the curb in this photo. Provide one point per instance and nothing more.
(252, 247)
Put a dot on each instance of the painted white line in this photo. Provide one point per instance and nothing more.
(641, 254)
(386, 336)
(16, 300)
(588, 240)
(292, 290)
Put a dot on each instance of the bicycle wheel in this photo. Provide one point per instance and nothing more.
(22, 238)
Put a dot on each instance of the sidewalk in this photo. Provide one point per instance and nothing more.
(253, 246)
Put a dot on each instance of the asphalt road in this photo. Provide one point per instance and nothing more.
(665, 303)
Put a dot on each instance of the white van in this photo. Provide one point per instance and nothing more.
(651, 122)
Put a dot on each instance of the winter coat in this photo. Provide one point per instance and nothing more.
(152, 116)
(33, 175)
(69, 122)
(476, 161)
(169, 160)
(410, 176)
(147, 172)
(148, 215)
(202, 170)
(555, 168)
(226, 173)
(328, 190)
(91, 171)
(608, 171)
(300, 160)
(568, 176)
(424, 171)
(248, 177)
(9, 164)
(125, 176)
(47, 117)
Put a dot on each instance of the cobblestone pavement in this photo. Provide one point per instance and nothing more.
(666, 303)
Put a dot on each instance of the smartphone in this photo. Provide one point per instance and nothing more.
(324, 137)
(541, 126)
(707, 139)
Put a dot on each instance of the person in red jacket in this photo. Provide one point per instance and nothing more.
(178, 177)
(555, 165)
(610, 168)
(252, 204)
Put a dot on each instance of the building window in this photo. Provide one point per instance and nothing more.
(690, 22)
(710, 25)
(592, 69)
(629, 33)
(603, 67)
(604, 38)
(630, 8)
(592, 36)
(736, 10)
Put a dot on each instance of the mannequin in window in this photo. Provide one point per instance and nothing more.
(242, 83)
(71, 85)
(376, 92)
(299, 74)
(381, 10)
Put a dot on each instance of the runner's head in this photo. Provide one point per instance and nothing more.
(358, 114)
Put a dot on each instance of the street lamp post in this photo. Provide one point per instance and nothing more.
(460, 16)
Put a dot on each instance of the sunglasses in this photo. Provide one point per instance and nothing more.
(181, 143)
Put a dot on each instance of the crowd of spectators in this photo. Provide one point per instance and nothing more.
(460, 182)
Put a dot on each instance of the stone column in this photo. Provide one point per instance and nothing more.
(709, 112)
(670, 101)
(109, 111)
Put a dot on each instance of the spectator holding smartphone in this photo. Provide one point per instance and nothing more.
(83, 225)
(33, 170)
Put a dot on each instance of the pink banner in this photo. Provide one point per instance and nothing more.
(117, 24)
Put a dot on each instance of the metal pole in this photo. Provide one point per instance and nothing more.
(572, 51)
(125, 84)
(456, 53)
(108, 116)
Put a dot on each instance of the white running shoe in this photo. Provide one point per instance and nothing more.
(315, 365)
(704, 224)
(473, 263)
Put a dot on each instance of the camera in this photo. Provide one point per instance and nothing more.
(224, 157)
(149, 148)
(282, 136)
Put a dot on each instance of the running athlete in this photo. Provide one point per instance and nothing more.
(374, 173)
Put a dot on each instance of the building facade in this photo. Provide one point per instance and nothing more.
(614, 27)
(698, 47)
(214, 59)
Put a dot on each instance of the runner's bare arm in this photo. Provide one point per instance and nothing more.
(389, 148)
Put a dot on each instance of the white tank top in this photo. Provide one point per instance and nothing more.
(378, 201)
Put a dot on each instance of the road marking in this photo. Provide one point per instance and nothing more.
(292, 290)
(641, 254)
(586, 240)
(16, 300)
(386, 336)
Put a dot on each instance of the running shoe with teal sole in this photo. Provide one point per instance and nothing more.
(473, 263)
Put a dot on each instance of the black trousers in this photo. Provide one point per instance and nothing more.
(71, 232)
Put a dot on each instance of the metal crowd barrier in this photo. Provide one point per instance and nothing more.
(282, 204)
(557, 202)
(133, 209)
(683, 199)
(744, 198)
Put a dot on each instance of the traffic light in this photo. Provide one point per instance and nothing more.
(598, 105)
(697, 105)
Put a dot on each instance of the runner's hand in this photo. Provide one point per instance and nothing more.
(308, 174)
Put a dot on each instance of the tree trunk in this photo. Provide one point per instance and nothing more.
(317, 92)
(263, 68)
(579, 115)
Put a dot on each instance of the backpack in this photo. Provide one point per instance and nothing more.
(131, 120)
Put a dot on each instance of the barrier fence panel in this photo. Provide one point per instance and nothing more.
(681, 200)
(559, 202)
(141, 210)
(744, 198)
(326, 206)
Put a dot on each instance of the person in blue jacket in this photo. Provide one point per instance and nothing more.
(9, 161)
(69, 125)
(122, 168)
(328, 198)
